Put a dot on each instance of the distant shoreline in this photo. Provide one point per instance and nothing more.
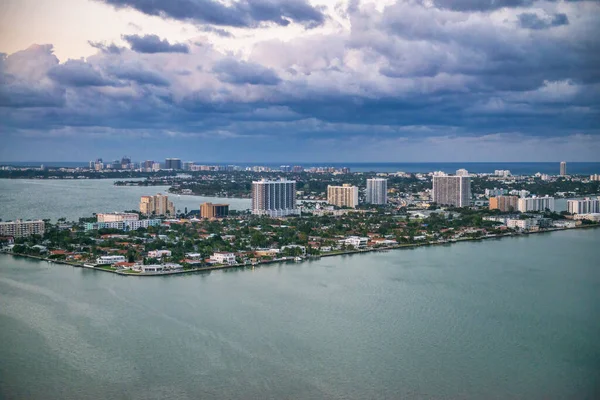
(332, 254)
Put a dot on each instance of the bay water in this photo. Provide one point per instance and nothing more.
(514, 318)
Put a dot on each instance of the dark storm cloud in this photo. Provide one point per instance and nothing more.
(20, 95)
(244, 13)
(241, 72)
(79, 73)
(407, 71)
(532, 21)
(153, 44)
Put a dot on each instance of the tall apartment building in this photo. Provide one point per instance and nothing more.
(563, 168)
(343, 196)
(274, 198)
(504, 203)
(452, 190)
(595, 177)
(173, 163)
(157, 205)
(535, 204)
(20, 228)
(585, 206)
(376, 191)
(462, 172)
(210, 210)
(116, 217)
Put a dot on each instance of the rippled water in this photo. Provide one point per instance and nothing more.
(501, 319)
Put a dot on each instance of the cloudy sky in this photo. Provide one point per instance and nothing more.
(300, 80)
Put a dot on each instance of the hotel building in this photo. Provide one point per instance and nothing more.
(20, 228)
(452, 190)
(343, 196)
(157, 205)
(210, 210)
(376, 191)
(274, 198)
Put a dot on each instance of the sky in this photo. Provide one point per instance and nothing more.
(300, 80)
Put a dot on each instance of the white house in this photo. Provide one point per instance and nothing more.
(223, 258)
(109, 260)
(193, 256)
(356, 241)
(159, 253)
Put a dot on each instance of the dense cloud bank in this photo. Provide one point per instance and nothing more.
(417, 71)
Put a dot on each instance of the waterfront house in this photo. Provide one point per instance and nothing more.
(109, 260)
(223, 258)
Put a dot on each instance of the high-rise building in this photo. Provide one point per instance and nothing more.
(343, 196)
(20, 228)
(116, 217)
(274, 198)
(585, 206)
(595, 177)
(125, 162)
(452, 190)
(535, 204)
(376, 191)
(147, 165)
(173, 163)
(462, 172)
(563, 168)
(297, 168)
(187, 165)
(157, 205)
(285, 168)
(210, 210)
(504, 203)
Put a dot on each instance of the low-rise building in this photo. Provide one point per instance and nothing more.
(595, 217)
(523, 224)
(109, 260)
(116, 217)
(126, 225)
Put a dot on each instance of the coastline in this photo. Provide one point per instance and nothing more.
(332, 254)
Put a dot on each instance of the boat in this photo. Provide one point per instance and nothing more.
(298, 259)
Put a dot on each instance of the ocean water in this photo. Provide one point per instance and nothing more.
(517, 168)
(514, 318)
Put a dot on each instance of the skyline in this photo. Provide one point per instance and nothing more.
(410, 81)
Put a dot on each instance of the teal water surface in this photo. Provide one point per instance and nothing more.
(514, 318)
